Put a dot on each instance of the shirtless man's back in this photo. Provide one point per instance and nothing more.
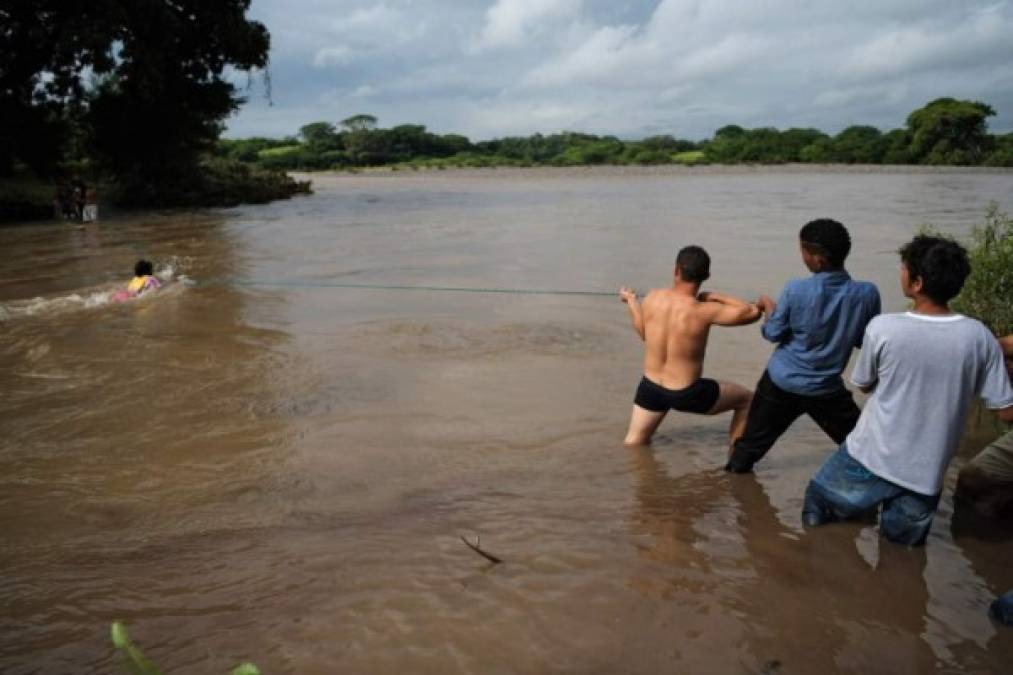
(675, 324)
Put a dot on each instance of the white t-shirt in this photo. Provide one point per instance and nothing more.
(926, 370)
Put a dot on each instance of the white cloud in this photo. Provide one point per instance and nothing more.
(603, 54)
(984, 33)
(686, 67)
(329, 56)
(509, 22)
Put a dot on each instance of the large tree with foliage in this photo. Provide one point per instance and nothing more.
(143, 81)
(949, 131)
(320, 135)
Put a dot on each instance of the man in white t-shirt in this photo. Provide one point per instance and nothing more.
(923, 367)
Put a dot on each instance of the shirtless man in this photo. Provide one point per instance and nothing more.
(674, 323)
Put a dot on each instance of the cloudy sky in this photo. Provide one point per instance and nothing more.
(490, 68)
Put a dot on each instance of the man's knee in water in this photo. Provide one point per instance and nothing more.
(816, 508)
(741, 460)
(907, 518)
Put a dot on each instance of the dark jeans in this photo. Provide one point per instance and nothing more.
(773, 410)
(1002, 609)
(844, 489)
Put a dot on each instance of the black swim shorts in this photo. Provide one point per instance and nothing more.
(698, 397)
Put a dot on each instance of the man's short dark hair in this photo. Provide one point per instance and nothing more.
(940, 263)
(694, 264)
(143, 268)
(827, 238)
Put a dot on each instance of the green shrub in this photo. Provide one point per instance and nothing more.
(689, 158)
(25, 199)
(646, 156)
(216, 182)
(280, 151)
(988, 292)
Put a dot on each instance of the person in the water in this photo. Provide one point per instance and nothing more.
(674, 324)
(816, 324)
(922, 368)
(986, 481)
(144, 280)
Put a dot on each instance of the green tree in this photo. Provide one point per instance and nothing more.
(858, 145)
(819, 151)
(949, 131)
(896, 147)
(1002, 152)
(44, 47)
(360, 122)
(988, 292)
(165, 97)
(320, 135)
(142, 80)
(730, 131)
(453, 144)
(791, 142)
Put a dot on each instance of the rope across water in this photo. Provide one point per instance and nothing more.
(290, 283)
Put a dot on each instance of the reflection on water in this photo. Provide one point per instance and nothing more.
(281, 474)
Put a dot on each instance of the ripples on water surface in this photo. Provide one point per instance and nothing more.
(281, 473)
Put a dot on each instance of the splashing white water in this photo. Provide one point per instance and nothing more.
(169, 272)
(61, 303)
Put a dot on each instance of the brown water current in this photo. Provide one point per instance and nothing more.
(280, 472)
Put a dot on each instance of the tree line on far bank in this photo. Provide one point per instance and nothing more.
(945, 132)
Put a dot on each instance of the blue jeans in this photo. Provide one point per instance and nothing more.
(844, 489)
(1002, 609)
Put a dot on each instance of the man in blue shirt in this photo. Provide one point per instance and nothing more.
(815, 324)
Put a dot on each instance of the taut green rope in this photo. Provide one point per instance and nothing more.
(288, 283)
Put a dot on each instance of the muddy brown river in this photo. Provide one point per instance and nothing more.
(260, 463)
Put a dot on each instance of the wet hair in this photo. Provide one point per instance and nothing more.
(694, 264)
(940, 263)
(143, 268)
(827, 238)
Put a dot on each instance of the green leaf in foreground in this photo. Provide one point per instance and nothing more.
(246, 669)
(137, 663)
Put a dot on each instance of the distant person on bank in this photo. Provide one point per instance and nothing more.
(922, 368)
(78, 198)
(986, 482)
(90, 213)
(816, 323)
(674, 324)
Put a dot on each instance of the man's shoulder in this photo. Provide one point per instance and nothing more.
(975, 329)
(902, 322)
(885, 324)
(865, 287)
(797, 287)
(657, 297)
(798, 283)
(656, 294)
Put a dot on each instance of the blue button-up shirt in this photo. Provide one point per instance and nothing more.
(818, 321)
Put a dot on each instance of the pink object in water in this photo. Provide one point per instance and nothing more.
(122, 296)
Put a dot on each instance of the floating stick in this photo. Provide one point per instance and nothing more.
(476, 548)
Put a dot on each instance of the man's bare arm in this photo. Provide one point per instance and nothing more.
(1007, 352)
(1006, 343)
(732, 311)
(629, 296)
(766, 305)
